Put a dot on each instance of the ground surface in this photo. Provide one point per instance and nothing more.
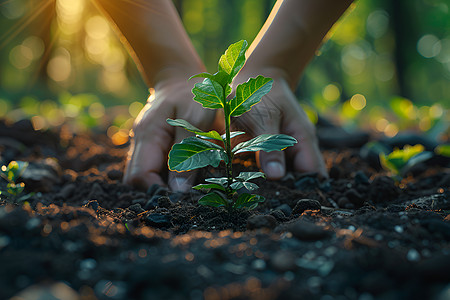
(85, 235)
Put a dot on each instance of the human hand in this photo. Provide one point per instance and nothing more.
(280, 112)
(153, 137)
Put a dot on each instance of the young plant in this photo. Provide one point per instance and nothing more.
(14, 189)
(400, 161)
(198, 152)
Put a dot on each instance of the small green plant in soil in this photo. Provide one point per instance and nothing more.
(443, 150)
(199, 151)
(14, 189)
(400, 161)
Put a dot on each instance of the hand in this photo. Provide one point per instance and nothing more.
(153, 137)
(280, 112)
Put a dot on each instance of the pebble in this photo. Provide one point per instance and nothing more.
(164, 202)
(286, 209)
(159, 220)
(306, 204)
(261, 221)
(307, 231)
(307, 183)
(114, 174)
(137, 208)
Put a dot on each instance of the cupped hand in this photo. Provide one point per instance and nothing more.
(280, 112)
(153, 137)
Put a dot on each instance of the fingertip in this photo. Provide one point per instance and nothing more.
(272, 164)
(274, 170)
(143, 182)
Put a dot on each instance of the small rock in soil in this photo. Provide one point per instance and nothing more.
(158, 220)
(41, 176)
(136, 208)
(307, 231)
(164, 202)
(261, 221)
(286, 209)
(115, 174)
(278, 214)
(307, 183)
(305, 204)
(141, 201)
(283, 261)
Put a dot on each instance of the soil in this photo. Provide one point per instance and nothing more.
(85, 235)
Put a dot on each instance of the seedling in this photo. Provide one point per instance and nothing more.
(199, 151)
(443, 150)
(14, 189)
(400, 161)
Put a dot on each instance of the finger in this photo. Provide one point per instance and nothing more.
(306, 156)
(181, 181)
(147, 159)
(148, 153)
(272, 163)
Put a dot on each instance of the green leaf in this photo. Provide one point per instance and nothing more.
(194, 153)
(443, 150)
(15, 189)
(14, 170)
(209, 93)
(248, 201)
(249, 94)
(220, 77)
(223, 181)
(234, 58)
(232, 134)
(208, 186)
(213, 199)
(246, 176)
(266, 142)
(189, 127)
(248, 185)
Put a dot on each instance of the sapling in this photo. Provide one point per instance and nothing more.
(400, 161)
(199, 151)
(14, 189)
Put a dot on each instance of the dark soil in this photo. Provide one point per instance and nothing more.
(85, 235)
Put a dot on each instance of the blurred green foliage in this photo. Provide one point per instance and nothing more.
(378, 70)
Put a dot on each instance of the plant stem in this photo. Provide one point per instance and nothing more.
(229, 164)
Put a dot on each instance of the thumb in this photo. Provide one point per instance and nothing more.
(272, 163)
